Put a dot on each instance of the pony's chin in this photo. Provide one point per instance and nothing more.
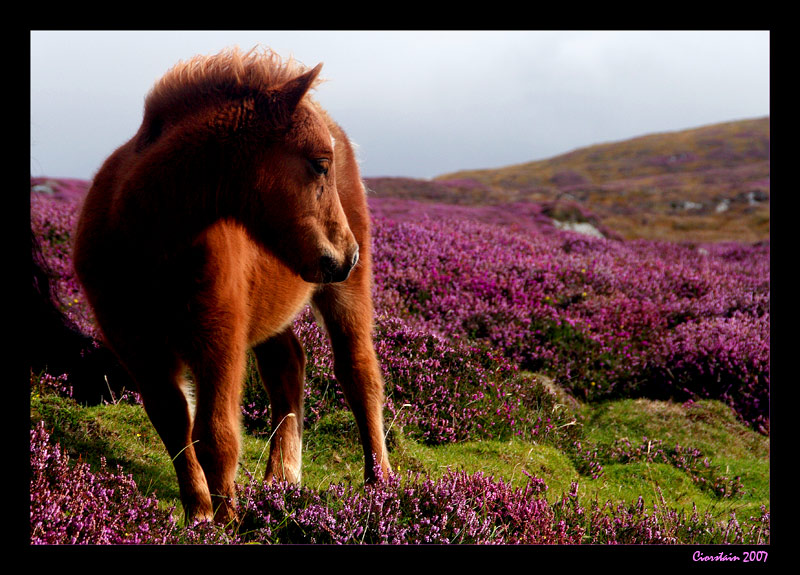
(325, 277)
(326, 273)
(311, 277)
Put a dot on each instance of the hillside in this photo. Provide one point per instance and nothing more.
(705, 184)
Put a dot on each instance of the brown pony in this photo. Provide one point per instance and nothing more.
(237, 202)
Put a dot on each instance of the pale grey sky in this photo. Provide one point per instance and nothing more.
(417, 103)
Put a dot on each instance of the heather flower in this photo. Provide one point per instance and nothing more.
(485, 294)
(457, 508)
(47, 383)
(604, 318)
(71, 504)
(521, 291)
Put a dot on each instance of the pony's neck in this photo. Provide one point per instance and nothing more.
(166, 219)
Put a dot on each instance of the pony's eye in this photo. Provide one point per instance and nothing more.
(320, 165)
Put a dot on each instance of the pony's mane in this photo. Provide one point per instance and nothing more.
(228, 75)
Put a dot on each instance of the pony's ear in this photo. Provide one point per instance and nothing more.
(293, 91)
(281, 102)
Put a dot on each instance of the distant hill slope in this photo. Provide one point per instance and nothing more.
(705, 184)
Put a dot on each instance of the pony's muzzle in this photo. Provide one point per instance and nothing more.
(335, 270)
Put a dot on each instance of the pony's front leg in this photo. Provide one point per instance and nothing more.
(217, 424)
(346, 309)
(281, 364)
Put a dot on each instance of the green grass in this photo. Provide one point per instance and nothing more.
(710, 426)
(122, 434)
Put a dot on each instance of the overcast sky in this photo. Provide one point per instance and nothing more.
(418, 104)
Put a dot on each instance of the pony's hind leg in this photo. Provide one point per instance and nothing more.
(160, 386)
(281, 364)
(346, 309)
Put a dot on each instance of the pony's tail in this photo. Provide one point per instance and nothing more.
(58, 347)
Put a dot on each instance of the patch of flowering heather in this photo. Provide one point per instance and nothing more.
(636, 524)
(457, 508)
(604, 318)
(255, 402)
(70, 189)
(514, 215)
(587, 459)
(464, 278)
(594, 313)
(438, 391)
(46, 382)
(723, 358)
(53, 220)
(322, 393)
(71, 504)
(472, 509)
(452, 392)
